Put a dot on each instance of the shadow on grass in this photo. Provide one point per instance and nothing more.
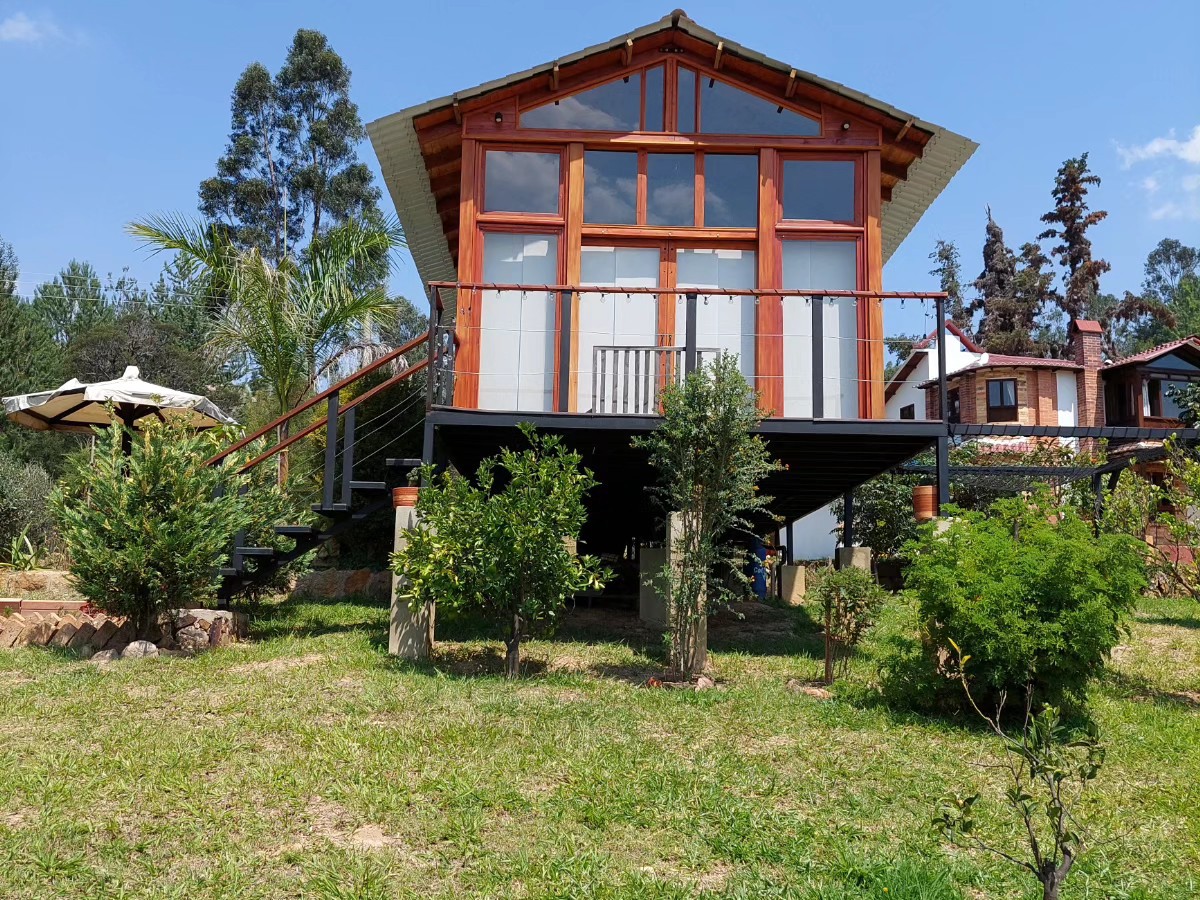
(307, 617)
(1128, 686)
(1172, 621)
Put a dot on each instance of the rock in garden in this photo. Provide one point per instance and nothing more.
(704, 683)
(192, 639)
(105, 656)
(799, 687)
(140, 650)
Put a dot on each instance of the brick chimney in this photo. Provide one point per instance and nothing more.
(1085, 346)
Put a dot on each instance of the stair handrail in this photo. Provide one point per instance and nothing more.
(350, 379)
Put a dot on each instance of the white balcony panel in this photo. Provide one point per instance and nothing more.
(820, 265)
(517, 328)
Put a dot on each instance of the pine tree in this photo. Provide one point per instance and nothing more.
(291, 168)
(949, 273)
(1070, 221)
(1009, 308)
(73, 302)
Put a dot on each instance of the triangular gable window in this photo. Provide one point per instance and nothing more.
(613, 106)
(725, 109)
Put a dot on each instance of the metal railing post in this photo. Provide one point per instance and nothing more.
(689, 335)
(566, 310)
(818, 357)
(331, 441)
(435, 338)
(943, 442)
(347, 454)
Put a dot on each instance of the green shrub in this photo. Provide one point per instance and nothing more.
(148, 531)
(1029, 591)
(24, 508)
(850, 600)
(883, 514)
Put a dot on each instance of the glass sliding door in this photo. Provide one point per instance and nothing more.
(724, 322)
(817, 265)
(518, 328)
(611, 376)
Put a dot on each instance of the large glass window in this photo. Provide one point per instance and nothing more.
(730, 191)
(687, 100)
(724, 322)
(820, 189)
(521, 182)
(671, 189)
(610, 187)
(820, 265)
(517, 328)
(613, 106)
(725, 109)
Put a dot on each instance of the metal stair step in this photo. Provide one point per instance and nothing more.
(297, 531)
(334, 510)
(368, 486)
(393, 463)
(255, 551)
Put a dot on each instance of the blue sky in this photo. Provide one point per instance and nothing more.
(112, 111)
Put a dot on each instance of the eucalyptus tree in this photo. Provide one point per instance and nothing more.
(294, 320)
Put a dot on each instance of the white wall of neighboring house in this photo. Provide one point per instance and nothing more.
(814, 539)
(908, 392)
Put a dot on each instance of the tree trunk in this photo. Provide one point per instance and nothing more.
(512, 659)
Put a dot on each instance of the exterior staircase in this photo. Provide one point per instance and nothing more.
(345, 501)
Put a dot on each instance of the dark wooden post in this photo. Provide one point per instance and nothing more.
(848, 519)
(818, 358)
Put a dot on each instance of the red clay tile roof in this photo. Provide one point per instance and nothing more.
(1192, 341)
(911, 362)
(999, 361)
(954, 330)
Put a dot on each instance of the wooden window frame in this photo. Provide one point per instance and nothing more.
(858, 223)
(638, 69)
(501, 216)
(812, 111)
(1000, 413)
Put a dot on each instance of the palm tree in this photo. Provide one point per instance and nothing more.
(293, 321)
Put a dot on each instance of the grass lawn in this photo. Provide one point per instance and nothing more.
(310, 764)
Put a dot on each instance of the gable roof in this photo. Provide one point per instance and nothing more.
(922, 346)
(1192, 342)
(396, 143)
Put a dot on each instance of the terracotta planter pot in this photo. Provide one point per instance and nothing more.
(924, 502)
(404, 496)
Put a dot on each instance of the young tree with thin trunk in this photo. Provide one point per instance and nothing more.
(505, 545)
(709, 463)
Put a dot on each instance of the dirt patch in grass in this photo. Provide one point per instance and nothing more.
(282, 664)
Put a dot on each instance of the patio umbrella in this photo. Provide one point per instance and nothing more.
(79, 407)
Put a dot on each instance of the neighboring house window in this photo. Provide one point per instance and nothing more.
(908, 412)
(1002, 400)
(954, 407)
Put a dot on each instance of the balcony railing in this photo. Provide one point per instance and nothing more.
(630, 379)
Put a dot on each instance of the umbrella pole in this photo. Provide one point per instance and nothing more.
(127, 433)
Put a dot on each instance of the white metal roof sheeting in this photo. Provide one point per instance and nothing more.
(395, 142)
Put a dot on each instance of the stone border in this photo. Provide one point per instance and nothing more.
(88, 634)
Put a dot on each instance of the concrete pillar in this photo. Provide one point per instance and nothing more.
(792, 584)
(410, 634)
(652, 605)
(854, 558)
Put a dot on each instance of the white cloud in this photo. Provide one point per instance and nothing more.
(21, 28)
(1174, 182)
(1170, 147)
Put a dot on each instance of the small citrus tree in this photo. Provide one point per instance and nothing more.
(709, 464)
(850, 599)
(148, 531)
(501, 546)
